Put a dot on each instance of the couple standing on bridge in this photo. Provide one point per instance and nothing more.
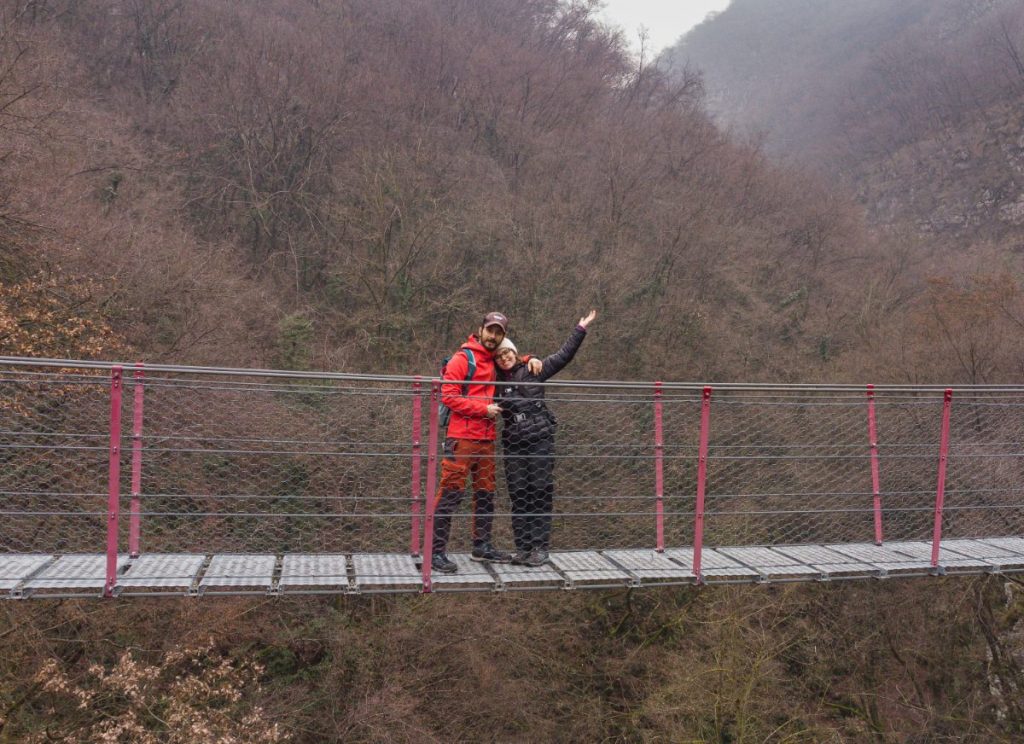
(487, 359)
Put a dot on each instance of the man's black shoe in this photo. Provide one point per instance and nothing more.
(521, 557)
(443, 564)
(537, 558)
(490, 554)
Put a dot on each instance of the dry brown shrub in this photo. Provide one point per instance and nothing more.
(187, 695)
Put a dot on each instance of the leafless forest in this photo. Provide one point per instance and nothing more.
(348, 184)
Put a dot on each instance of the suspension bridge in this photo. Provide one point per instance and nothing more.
(120, 479)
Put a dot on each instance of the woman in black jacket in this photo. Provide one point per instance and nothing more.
(528, 443)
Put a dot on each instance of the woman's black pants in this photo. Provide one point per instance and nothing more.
(529, 474)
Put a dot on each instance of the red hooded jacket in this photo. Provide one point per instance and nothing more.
(469, 412)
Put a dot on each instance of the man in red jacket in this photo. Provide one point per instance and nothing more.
(469, 445)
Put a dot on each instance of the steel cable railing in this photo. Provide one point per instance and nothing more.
(98, 458)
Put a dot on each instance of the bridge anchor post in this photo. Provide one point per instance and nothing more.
(702, 477)
(875, 484)
(940, 487)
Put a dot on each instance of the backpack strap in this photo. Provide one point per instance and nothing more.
(444, 412)
(470, 368)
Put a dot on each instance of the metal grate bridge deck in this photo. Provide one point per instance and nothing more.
(77, 575)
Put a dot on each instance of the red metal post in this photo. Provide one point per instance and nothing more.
(113, 480)
(940, 488)
(873, 443)
(659, 472)
(417, 404)
(134, 528)
(428, 527)
(702, 477)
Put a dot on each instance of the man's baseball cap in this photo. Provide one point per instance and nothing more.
(497, 319)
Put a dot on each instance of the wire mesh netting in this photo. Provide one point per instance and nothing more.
(257, 465)
(909, 439)
(54, 460)
(250, 462)
(576, 474)
(986, 466)
(785, 471)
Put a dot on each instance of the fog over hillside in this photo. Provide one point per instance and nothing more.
(915, 105)
(809, 73)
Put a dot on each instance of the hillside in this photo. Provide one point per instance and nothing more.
(390, 173)
(347, 185)
(914, 105)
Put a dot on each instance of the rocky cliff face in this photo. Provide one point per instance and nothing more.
(966, 186)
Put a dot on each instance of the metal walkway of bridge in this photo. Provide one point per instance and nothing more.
(167, 574)
(120, 480)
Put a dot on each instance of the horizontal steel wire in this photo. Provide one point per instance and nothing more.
(328, 385)
(170, 368)
(958, 445)
(406, 454)
(99, 382)
(984, 403)
(666, 385)
(501, 514)
(790, 512)
(866, 495)
(26, 375)
(160, 438)
(979, 507)
(407, 445)
(774, 403)
(52, 514)
(582, 397)
(769, 400)
(304, 453)
(311, 390)
(809, 457)
(985, 456)
(377, 515)
(266, 497)
(52, 447)
(403, 455)
(60, 494)
(69, 435)
(150, 438)
(559, 497)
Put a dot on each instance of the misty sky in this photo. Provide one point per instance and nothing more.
(665, 20)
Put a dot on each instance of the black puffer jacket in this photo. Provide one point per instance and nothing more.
(525, 415)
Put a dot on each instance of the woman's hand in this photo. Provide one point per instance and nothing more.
(586, 321)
